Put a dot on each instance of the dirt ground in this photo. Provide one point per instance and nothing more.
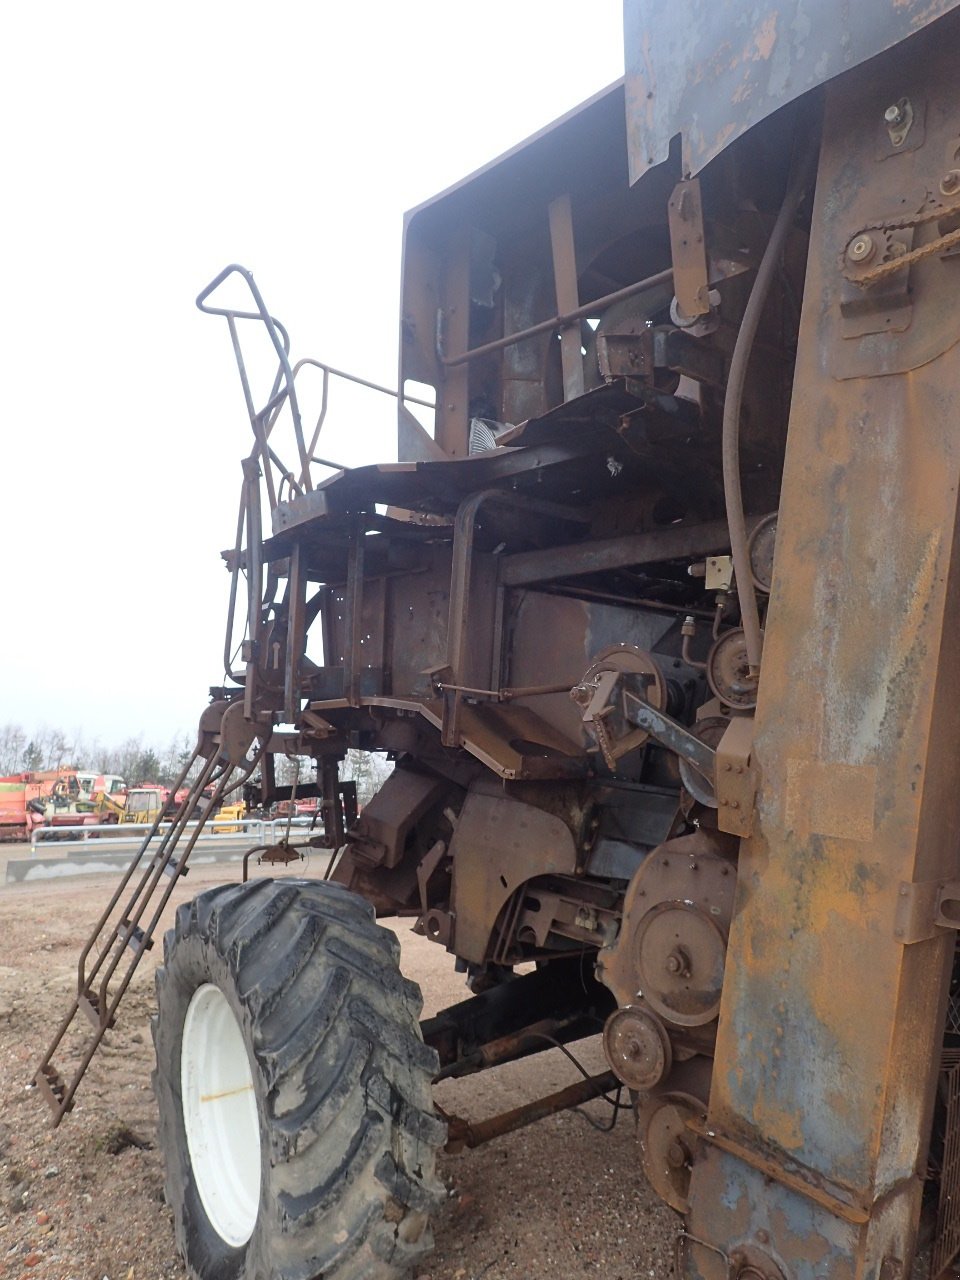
(85, 1201)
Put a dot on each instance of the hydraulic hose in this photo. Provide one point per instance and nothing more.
(733, 495)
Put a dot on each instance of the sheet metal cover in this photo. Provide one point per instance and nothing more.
(710, 69)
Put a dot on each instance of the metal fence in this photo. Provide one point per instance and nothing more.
(100, 836)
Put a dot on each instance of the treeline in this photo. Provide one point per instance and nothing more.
(138, 761)
(133, 759)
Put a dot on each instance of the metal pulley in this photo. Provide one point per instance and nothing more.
(638, 1047)
(667, 1145)
(760, 548)
(728, 672)
(709, 731)
(680, 951)
(669, 955)
(618, 675)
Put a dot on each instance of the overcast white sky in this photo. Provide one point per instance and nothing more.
(143, 148)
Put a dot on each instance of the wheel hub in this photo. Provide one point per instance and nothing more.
(220, 1115)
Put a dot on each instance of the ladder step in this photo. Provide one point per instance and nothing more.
(134, 937)
(52, 1088)
(170, 868)
(89, 1003)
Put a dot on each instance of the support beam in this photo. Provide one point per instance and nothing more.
(831, 1024)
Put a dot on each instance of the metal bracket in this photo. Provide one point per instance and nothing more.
(672, 734)
(924, 908)
(688, 249)
(736, 778)
(729, 769)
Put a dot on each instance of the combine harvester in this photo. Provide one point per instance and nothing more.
(658, 620)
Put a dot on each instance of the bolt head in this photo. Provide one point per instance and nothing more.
(676, 1155)
(861, 248)
(894, 114)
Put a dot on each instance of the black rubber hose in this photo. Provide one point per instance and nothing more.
(733, 495)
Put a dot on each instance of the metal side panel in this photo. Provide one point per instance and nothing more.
(831, 1024)
(710, 69)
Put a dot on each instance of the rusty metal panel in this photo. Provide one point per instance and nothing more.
(710, 69)
(830, 1028)
(562, 635)
(499, 844)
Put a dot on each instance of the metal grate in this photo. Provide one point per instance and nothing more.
(953, 1014)
(947, 1239)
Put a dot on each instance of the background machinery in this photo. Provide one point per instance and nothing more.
(656, 618)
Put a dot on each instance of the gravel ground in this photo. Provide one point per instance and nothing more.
(85, 1201)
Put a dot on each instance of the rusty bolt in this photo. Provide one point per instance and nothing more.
(676, 1155)
(861, 248)
(762, 1236)
(895, 113)
(950, 182)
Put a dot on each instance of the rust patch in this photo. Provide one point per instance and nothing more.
(765, 39)
(826, 798)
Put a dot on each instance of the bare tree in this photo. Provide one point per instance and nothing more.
(13, 742)
(368, 769)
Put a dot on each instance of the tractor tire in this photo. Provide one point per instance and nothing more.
(294, 1088)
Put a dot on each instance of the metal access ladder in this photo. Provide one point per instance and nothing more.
(126, 928)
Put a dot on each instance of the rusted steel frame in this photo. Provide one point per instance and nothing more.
(465, 1134)
(296, 633)
(254, 559)
(228, 649)
(564, 255)
(256, 422)
(577, 592)
(257, 848)
(505, 695)
(329, 371)
(857, 736)
(353, 611)
(458, 625)
(525, 568)
(278, 338)
(808, 1184)
(452, 427)
(459, 638)
(332, 809)
(587, 311)
(508, 1048)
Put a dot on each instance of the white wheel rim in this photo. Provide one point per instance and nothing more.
(220, 1115)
